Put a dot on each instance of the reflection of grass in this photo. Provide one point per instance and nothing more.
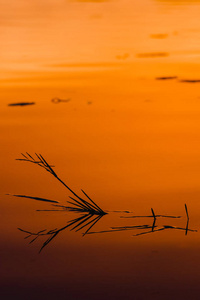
(152, 228)
(156, 216)
(85, 221)
(78, 203)
(92, 212)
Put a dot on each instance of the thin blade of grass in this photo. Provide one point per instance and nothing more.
(76, 220)
(36, 198)
(30, 156)
(33, 239)
(147, 232)
(86, 203)
(24, 155)
(186, 209)
(186, 229)
(132, 227)
(93, 223)
(47, 165)
(75, 204)
(81, 204)
(41, 164)
(153, 226)
(87, 222)
(91, 206)
(98, 208)
(41, 231)
(153, 213)
(165, 216)
(48, 241)
(28, 236)
(82, 221)
(24, 230)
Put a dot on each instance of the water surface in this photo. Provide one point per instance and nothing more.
(128, 135)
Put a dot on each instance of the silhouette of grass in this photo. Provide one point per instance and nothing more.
(151, 228)
(79, 204)
(36, 198)
(153, 216)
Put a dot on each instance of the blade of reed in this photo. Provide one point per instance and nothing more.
(24, 230)
(153, 213)
(43, 163)
(30, 156)
(154, 222)
(82, 221)
(76, 220)
(94, 222)
(81, 204)
(97, 207)
(77, 207)
(47, 165)
(91, 216)
(48, 241)
(186, 229)
(33, 239)
(186, 209)
(147, 232)
(24, 155)
(36, 198)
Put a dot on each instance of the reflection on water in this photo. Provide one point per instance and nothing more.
(87, 222)
(21, 104)
(180, 80)
(130, 136)
(84, 221)
(92, 213)
(153, 227)
(152, 55)
(166, 78)
(58, 100)
(190, 80)
(159, 36)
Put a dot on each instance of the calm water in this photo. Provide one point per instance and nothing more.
(128, 135)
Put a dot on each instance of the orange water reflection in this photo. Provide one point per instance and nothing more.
(129, 137)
